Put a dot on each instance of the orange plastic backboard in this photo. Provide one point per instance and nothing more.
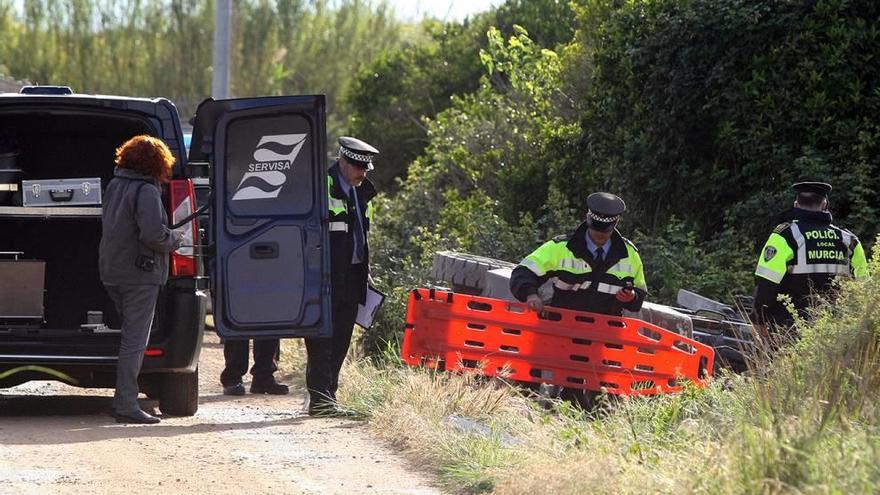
(457, 332)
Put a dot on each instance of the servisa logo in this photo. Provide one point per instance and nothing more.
(273, 157)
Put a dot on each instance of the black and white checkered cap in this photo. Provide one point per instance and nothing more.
(357, 152)
(604, 209)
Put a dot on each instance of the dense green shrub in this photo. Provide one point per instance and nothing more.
(710, 109)
(703, 111)
(677, 258)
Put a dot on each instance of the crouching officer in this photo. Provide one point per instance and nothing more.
(350, 215)
(593, 269)
(802, 257)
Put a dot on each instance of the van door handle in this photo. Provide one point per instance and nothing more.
(264, 250)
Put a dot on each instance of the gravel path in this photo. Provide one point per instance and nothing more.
(60, 439)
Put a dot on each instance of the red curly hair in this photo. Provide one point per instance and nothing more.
(146, 155)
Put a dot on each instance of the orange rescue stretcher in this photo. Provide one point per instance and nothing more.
(458, 332)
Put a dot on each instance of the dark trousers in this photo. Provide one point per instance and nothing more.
(327, 355)
(236, 354)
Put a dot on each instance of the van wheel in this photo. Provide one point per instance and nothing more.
(180, 394)
(466, 272)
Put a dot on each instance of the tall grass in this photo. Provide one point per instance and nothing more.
(805, 420)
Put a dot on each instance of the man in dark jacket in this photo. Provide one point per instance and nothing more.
(350, 216)
(593, 269)
(802, 257)
(133, 258)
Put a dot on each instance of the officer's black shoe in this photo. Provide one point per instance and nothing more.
(139, 417)
(268, 386)
(237, 389)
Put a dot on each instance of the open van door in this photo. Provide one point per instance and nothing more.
(269, 266)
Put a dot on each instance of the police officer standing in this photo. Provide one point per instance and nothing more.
(593, 269)
(350, 215)
(802, 257)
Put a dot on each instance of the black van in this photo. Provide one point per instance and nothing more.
(269, 273)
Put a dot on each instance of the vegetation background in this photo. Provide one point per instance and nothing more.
(699, 113)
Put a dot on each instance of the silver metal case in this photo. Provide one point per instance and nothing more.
(61, 192)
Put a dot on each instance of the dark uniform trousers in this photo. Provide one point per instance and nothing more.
(349, 272)
(236, 354)
(327, 355)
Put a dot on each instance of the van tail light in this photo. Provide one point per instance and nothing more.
(181, 202)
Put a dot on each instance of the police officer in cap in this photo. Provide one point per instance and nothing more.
(592, 269)
(802, 257)
(350, 215)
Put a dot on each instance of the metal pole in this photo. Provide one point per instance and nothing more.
(220, 81)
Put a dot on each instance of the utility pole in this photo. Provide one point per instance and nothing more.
(220, 81)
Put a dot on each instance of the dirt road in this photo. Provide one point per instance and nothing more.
(60, 439)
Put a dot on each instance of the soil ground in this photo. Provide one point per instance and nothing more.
(60, 439)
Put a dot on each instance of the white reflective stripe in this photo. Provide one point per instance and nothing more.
(621, 267)
(533, 266)
(338, 227)
(801, 244)
(600, 287)
(336, 204)
(821, 268)
(608, 288)
(848, 242)
(769, 274)
(559, 284)
(574, 264)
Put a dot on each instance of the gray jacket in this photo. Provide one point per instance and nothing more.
(130, 230)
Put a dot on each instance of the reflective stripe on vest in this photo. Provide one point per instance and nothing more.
(533, 266)
(338, 227)
(337, 206)
(621, 267)
(573, 265)
(769, 274)
(576, 265)
(821, 268)
(559, 284)
(601, 286)
(608, 288)
(802, 267)
(847, 241)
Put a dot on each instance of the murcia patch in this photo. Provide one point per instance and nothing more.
(769, 253)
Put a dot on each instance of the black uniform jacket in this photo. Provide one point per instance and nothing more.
(524, 281)
(349, 282)
(801, 287)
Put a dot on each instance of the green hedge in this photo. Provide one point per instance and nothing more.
(710, 109)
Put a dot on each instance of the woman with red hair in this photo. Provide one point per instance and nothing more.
(133, 258)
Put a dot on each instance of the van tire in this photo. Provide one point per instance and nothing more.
(180, 394)
(466, 272)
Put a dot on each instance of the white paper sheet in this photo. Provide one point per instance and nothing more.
(367, 311)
